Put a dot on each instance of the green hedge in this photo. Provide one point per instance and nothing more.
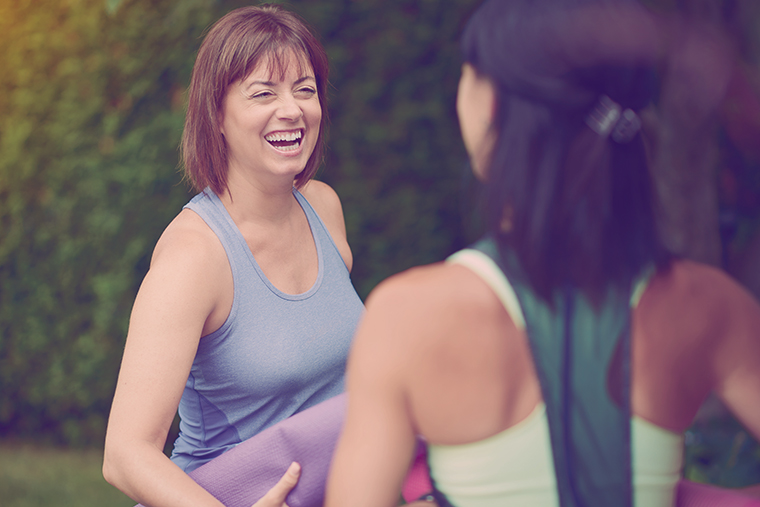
(91, 109)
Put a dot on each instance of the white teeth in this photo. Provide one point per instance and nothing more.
(284, 136)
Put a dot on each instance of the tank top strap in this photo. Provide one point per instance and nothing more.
(573, 343)
(319, 232)
(485, 267)
(211, 209)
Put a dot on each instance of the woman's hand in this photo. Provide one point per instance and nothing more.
(275, 497)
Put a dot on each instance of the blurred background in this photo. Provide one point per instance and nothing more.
(92, 97)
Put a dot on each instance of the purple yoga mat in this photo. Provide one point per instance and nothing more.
(242, 475)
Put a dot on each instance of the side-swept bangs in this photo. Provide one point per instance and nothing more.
(233, 48)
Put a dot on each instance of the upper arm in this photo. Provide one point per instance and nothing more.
(168, 317)
(737, 358)
(378, 438)
(326, 203)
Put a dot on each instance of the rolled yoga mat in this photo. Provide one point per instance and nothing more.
(242, 475)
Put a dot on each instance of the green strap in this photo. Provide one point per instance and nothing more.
(573, 343)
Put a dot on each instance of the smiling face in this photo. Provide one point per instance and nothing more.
(271, 122)
(476, 109)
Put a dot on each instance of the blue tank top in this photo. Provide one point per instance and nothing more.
(275, 355)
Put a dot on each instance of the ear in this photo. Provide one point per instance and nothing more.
(490, 99)
(490, 104)
(488, 143)
(220, 119)
(487, 96)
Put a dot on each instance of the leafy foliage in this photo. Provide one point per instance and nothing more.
(91, 111)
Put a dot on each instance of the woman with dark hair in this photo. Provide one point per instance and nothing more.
(246, 314)
(560, 359)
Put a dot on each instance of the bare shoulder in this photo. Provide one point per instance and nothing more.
(433, 288)
(695, 305)
(188, 240)
(704, 313)
(438, 305)
(412, 311)
(326, 203)
(318, 190)
(189, 278)
(189, 258)
(696, 287)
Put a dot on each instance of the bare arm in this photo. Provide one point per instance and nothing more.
(186, 294)
(168, 319)
(378, 440)
(737, 360)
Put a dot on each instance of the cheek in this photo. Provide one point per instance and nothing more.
(468, 123)
(462, 115)
(313, 120)
(315, 112)
(482, 159)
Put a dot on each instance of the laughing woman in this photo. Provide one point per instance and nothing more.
(558, 361)
(246, 314)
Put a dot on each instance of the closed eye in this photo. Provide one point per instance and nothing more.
(262, 95)
(306, 92)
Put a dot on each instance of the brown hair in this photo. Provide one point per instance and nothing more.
(231, 50)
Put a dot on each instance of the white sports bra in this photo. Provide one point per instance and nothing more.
(515, 467)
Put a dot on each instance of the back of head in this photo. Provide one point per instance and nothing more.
(575, 205)
(231, 50)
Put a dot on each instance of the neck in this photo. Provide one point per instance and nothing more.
(254, 201)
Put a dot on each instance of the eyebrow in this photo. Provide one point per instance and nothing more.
(272, 83)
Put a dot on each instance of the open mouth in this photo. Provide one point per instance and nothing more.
(285, 141)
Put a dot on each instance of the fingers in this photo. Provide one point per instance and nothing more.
(275, 497)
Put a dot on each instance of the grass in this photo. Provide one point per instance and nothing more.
(32, 476)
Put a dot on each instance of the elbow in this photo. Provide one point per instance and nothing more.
(109, 468)
(112, 465)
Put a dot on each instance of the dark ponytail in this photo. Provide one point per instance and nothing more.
(576, 207)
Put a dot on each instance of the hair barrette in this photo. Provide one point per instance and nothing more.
(609, 119)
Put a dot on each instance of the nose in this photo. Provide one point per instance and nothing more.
(289, 109)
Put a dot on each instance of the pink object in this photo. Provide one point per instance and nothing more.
(418, 479)
(693, 494)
